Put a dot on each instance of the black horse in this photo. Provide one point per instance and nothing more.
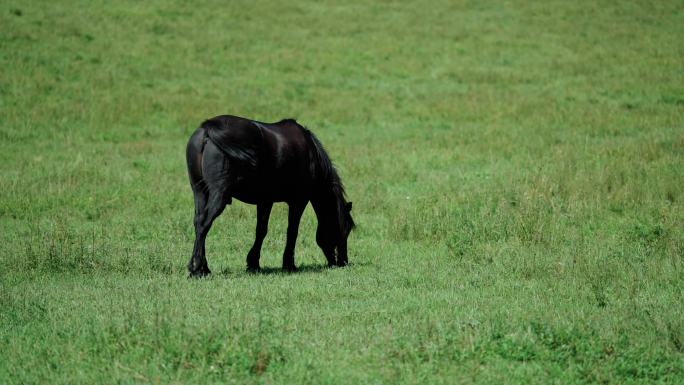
(262, 163)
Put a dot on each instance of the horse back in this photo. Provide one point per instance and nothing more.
(268, 160)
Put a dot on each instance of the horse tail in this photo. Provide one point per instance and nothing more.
(193, 155)
(218, 133)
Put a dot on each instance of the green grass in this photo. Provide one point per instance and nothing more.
(515, 168)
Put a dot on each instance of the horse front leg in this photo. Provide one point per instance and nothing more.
(263, 214)
(294, 215)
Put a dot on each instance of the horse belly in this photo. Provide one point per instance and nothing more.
(274, 190)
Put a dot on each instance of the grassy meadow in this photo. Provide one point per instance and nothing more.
(516, 169)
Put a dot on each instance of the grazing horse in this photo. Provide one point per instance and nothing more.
(262, 163)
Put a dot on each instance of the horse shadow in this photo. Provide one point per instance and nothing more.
(302, 269)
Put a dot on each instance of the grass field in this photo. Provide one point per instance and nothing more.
(515, 168)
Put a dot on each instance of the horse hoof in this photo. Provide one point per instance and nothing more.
(253, 269)
(290, 269)
(199, 273)
(342, 263)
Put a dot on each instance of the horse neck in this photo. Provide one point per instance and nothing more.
(325, 204)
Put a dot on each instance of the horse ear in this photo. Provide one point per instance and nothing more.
(348, 206)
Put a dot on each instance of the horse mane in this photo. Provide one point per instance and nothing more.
(321, 167)
(289, 120)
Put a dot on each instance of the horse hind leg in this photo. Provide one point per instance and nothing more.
(211, 193)
(208, 206)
